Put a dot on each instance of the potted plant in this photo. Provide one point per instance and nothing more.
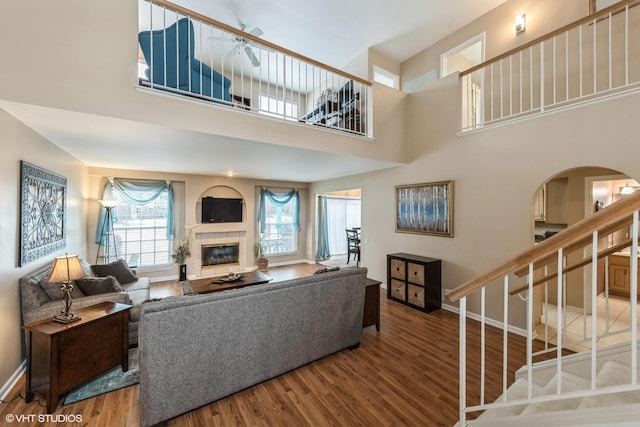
(182, 252)
(258, 252)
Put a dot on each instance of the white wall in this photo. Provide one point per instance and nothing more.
(17, 143)
(496, 173)
(543, 17)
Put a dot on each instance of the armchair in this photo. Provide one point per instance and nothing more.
(183, 71)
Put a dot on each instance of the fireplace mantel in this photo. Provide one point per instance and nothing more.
(222, 227)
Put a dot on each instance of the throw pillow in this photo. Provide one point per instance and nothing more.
(118, 269)
(99, 285)
(52, 289)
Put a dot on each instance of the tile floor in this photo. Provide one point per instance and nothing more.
(579, 325)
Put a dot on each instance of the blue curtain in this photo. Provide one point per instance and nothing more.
(278, 199)
(135, 192)
(322, 248)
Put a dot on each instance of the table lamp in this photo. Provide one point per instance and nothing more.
(65, 269)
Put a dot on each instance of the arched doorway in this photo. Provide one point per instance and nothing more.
(561, 201)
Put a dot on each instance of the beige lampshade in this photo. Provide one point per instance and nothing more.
(66, 268)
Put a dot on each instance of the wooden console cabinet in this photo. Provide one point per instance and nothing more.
(414, 280)
(61, 357)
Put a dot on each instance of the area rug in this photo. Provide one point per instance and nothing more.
(109, 381)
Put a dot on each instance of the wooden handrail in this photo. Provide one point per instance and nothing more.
(578, 244)
(586, 261)
(570, 235)
(190, 13)
(561, 30)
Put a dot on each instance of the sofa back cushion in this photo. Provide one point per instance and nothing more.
(118, 269)
(98, 285)
(52, 289)
(31, 293)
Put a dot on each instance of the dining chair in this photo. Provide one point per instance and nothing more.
(353, 245)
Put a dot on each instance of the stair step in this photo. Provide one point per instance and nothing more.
(612, 374)
(518, 390)
(569, 383)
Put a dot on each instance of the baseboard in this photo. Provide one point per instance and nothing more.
(13, 380)
(283, 263)
(470, 315)
(487, 320)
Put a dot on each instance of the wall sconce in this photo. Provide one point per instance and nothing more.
(521, 23)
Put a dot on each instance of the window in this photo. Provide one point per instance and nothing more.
(141, 231)
(385, 77)
(279, 219)
(280, 236)
(277, 107)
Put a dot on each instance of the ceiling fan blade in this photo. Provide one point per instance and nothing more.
(257, 32)
(254, 59)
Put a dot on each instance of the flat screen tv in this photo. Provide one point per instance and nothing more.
(215, 209)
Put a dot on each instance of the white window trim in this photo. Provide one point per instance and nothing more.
(444, 56)
(387, 74)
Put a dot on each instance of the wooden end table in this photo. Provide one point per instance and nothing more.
(372, 304)
(61, 357)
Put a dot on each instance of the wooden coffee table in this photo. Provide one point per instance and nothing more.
(213, 284)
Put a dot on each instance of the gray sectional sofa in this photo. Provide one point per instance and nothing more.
(40, 300)
(197, 349)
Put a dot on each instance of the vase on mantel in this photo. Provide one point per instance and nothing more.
(183, 272)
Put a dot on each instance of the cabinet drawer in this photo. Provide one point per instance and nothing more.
(416, 273)
(398, 290)
(416, 296)
(397, 269)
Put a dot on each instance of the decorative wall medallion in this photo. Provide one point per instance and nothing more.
(43, 212)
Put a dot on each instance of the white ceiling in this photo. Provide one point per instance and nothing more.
(330, 31)
(335, 31)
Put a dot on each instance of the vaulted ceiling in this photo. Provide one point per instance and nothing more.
(330, 31)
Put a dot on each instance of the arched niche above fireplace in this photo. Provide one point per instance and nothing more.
(225, 192)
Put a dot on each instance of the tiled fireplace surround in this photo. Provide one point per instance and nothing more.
(214, 238)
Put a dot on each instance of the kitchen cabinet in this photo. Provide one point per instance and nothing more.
(619, 277)
(414, 280)
(556, 201)
(551, 202)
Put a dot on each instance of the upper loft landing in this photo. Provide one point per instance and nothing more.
(184, 53)
(590, 59)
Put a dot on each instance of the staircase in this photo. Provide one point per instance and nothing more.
(543, 407)
(567, 380)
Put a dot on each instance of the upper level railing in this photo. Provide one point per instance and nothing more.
(580, 247)
(593, 57)
(184, 52)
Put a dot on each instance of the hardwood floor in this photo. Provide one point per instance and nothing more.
(406, 374)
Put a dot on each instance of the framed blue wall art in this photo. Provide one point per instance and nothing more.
(425, 208)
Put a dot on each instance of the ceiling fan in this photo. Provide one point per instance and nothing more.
(242, 44)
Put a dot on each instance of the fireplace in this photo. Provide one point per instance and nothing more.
(220, 254)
